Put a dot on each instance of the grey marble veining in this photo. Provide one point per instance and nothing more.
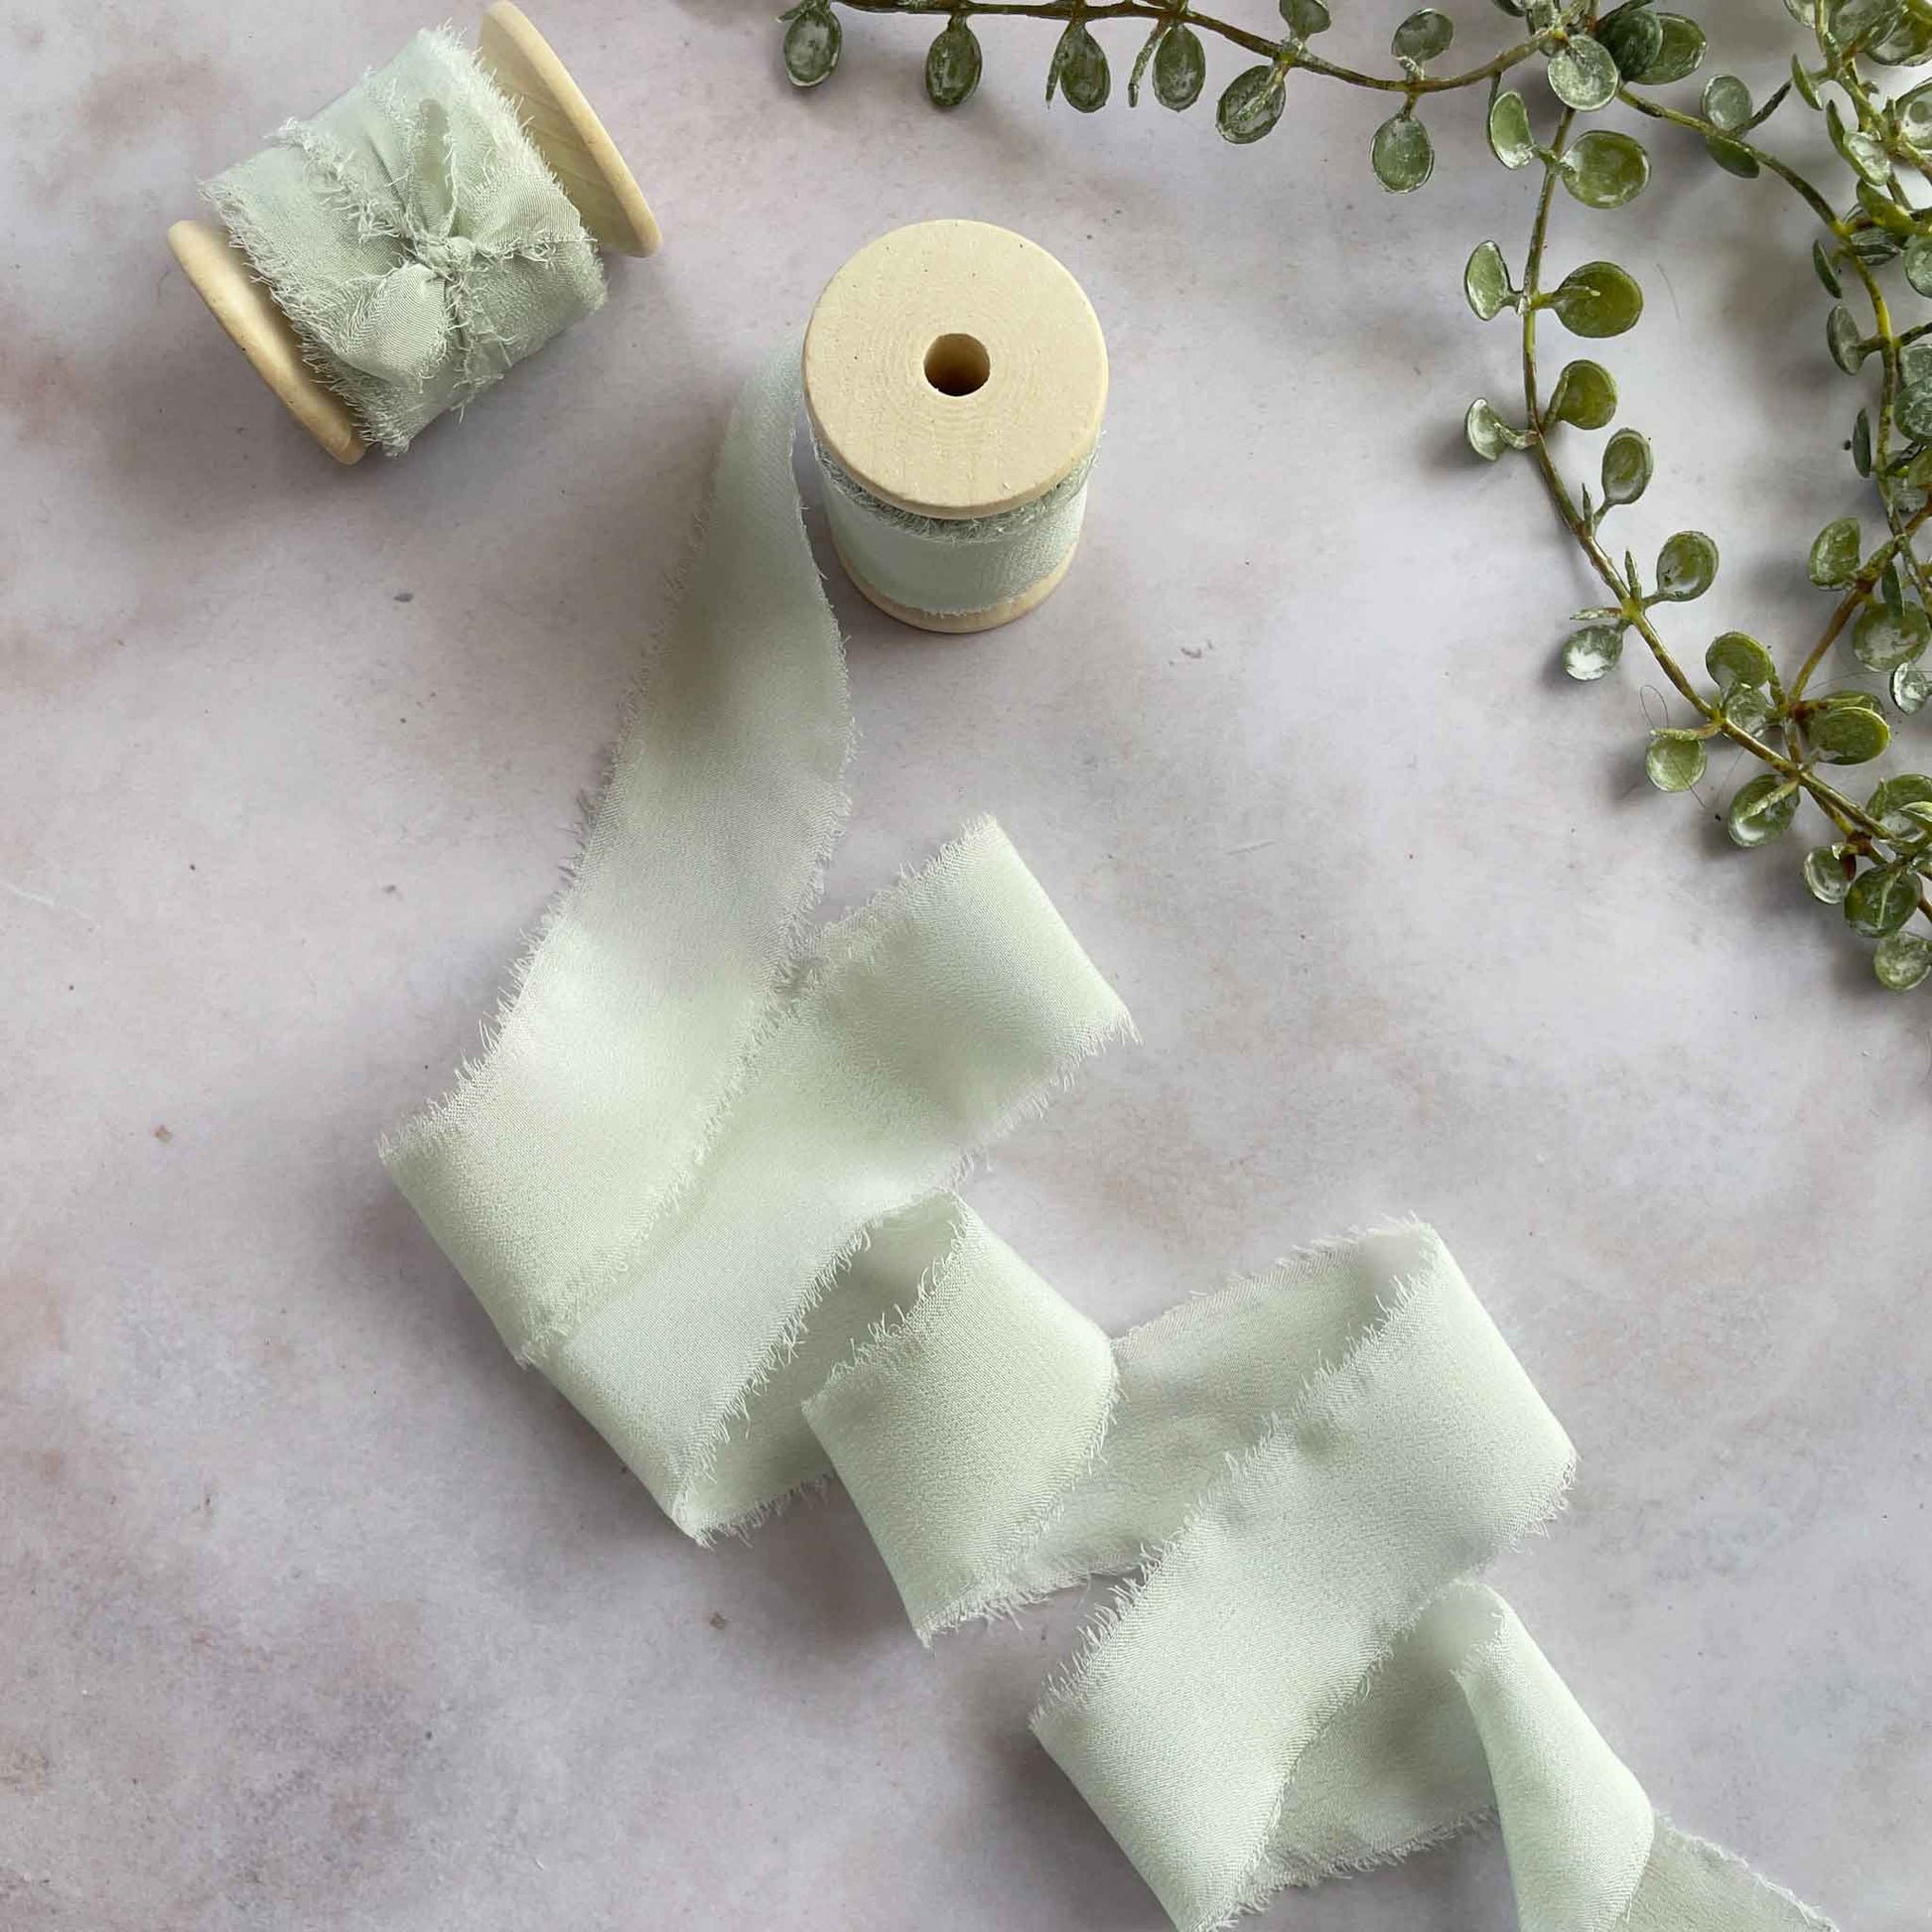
(316, 1611)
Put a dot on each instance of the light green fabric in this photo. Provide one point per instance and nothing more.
(700, 1178)
(950, 566)
(1299, 1473)
(414, 237)
(697, 1106)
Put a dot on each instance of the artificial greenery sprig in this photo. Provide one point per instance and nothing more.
(1875, 862)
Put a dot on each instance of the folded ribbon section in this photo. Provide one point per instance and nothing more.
(925, 1029)
(1299, 1473)
(695, 1107)
(701, 1178)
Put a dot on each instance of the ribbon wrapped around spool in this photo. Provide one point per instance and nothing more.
(389, 258)
(955, 378)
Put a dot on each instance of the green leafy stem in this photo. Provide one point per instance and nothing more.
(1874, 864)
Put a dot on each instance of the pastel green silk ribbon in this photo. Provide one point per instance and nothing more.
(701, 1177)
(949, 566)
(697, 1107)
(1301, 1474)
(414, 237)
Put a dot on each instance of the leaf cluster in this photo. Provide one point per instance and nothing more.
(1874, 234)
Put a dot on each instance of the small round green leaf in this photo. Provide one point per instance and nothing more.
(1731, 156)
(1827, 274)
(1910, 687)
(1862, 21)
(1761, 810)
(1826, 878)
(1727, 103)
(1604, 170)
(1628, 465)
(812, 43)
(1882, 899)
(1803, 81)
(1510, 138)
(1874, 246)
(1864, 152)
(1738, 660)
(1597, 300)
(1862, 443)
(1633, 35)
(1486, 281)
(1490, 434)
(1403, 155)
(1584, 396)
(1835, 554)
(1895, 793)
(1305, 18)
(1886, 210)
(1583, 74)
(1841, 338)
(1679, 54)
(1883, 640)
(1080, 69)
(1848, 733)
(1592, 652)
(1749, 708)
(1251, 105)
(1907, 43)
(1912, 410)
(1686, 566)
(952, 66)
(1423, 35)
(1914, 117)
(1903, 960)
(1918, 263)
(1180, 68)
(1675, 760)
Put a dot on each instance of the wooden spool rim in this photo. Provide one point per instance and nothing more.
(567, 132)
(564, 129)
(225, 280)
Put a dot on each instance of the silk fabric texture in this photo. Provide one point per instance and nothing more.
(414, 237)
(950, 566)
(702, 1178)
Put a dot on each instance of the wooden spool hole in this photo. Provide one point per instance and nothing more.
(957, 365)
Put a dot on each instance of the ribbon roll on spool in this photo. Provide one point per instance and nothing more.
(386, 261)
(955, 377)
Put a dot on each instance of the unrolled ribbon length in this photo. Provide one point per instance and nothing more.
(702, 1175)
(414, 237)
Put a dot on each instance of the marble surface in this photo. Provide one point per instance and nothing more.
(316, 1610)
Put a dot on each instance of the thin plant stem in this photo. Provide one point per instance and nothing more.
(1240, 37)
